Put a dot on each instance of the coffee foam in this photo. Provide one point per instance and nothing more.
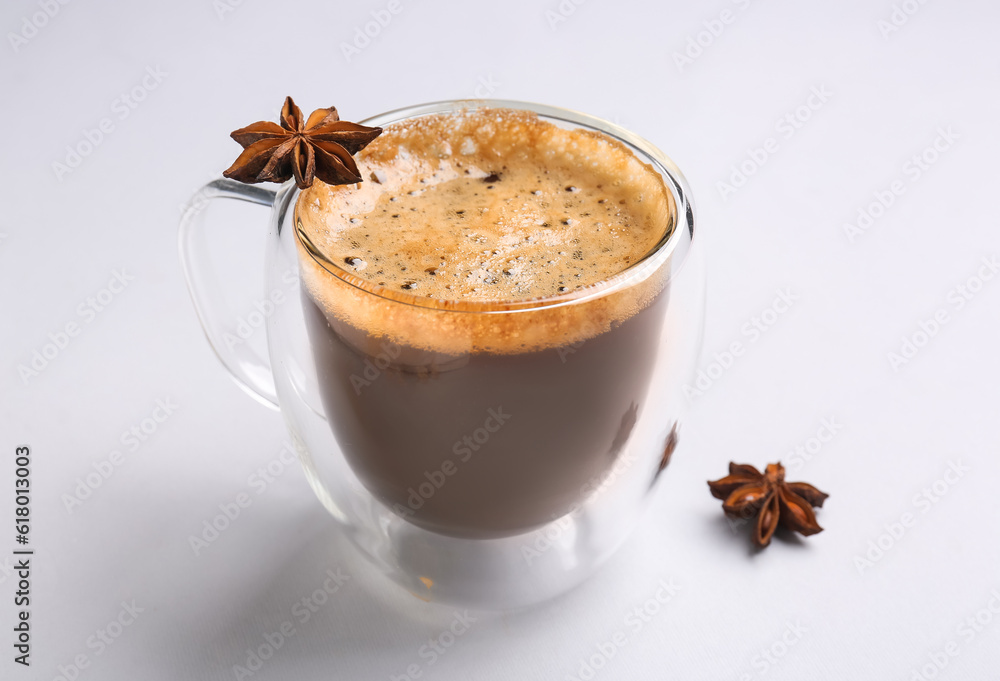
(484, 209)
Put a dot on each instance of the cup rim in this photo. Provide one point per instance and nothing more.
(681, 232)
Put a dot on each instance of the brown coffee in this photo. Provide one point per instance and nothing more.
(480, 362)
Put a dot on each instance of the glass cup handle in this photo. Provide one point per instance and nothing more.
(250, 370)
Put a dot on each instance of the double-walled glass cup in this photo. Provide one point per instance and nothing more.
(485, 454)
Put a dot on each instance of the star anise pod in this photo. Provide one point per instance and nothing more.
(321, 146)
(746, 492)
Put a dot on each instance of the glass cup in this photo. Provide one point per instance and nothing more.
(469, 468)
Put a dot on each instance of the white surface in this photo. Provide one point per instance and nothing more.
(824, 358)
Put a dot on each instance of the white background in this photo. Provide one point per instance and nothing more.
(811, 604)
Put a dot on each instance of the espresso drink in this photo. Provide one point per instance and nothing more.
(482, 315)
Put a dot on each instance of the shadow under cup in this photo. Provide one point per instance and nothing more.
(479, 437)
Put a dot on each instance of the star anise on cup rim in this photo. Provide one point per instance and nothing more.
(746, 492)
(321, 146)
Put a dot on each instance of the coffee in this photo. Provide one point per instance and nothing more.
(482, 323)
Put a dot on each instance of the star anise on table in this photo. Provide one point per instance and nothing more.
(321, 146)
(746, 492)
